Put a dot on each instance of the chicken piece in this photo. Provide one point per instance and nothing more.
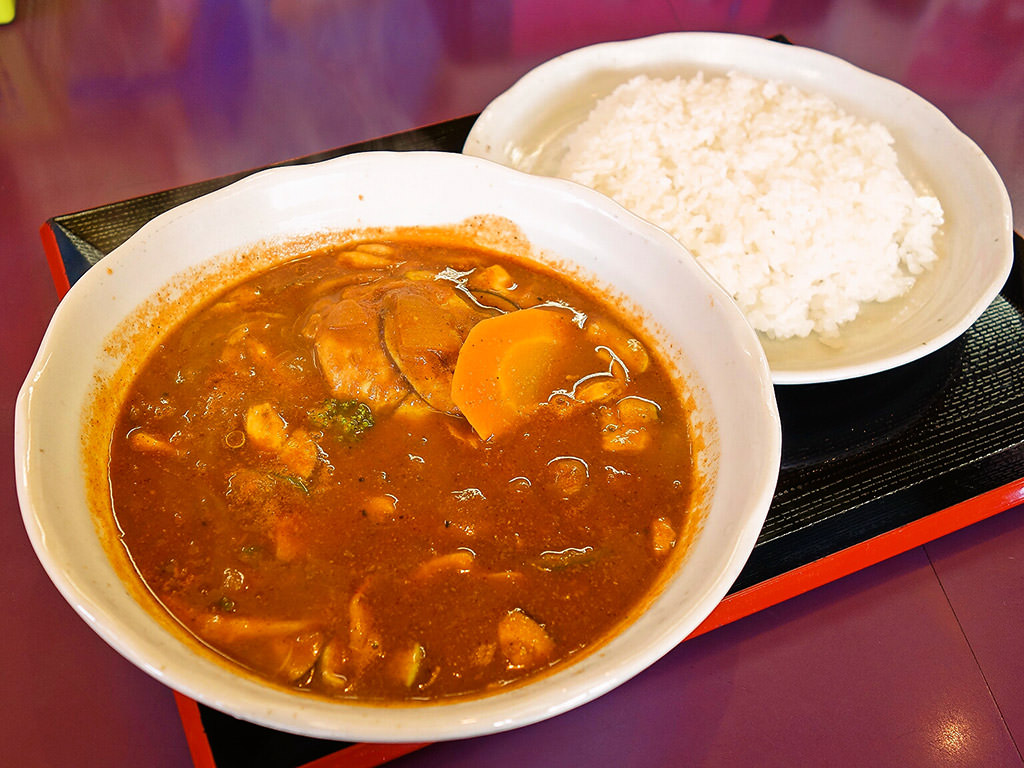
(286, 532)
(244, 352)
(381, 509)
(351, 358)
(265, 427)
(523, 641)
(483, 654)
(638, 411)
(269, 504)
(299, 453)
(368, 255)
(626, 427)
(494, 286)
(619, 345)
(599, 388)
(663, 535)
(492, 278)
(616, 437)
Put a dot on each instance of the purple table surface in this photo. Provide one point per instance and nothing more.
(916, 661)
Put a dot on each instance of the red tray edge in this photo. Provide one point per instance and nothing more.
(863, 555)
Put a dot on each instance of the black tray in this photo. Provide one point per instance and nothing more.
(860, 458)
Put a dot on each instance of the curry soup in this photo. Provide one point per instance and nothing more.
(402, 470)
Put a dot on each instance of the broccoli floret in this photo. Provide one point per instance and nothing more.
(346, 419)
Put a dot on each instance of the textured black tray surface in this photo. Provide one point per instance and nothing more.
(860, 458)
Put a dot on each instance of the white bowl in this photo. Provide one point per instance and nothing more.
(526, 126)
(88, 341)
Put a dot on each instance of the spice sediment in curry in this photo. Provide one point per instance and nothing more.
(401, 471)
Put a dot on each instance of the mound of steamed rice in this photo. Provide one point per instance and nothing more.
(798, 209)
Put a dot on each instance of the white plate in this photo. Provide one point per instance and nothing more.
(525, 128)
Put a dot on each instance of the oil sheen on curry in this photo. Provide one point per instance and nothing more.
(401, 470)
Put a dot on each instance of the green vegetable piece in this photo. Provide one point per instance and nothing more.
(225, 605)
(296, 482)
(345, 419)
(571, 557)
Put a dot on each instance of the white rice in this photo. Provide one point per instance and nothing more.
(798, 209)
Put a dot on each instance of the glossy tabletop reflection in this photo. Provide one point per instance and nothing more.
(912, 662)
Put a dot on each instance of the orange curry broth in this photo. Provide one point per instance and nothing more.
(410, 559)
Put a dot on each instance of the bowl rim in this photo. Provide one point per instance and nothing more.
(126, 639)
(696, 48)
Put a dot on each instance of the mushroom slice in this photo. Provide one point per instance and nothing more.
(424, 327)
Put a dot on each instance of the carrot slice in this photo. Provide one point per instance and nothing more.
(508, 366)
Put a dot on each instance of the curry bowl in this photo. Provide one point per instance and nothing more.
(104, 333)
(535, 125)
